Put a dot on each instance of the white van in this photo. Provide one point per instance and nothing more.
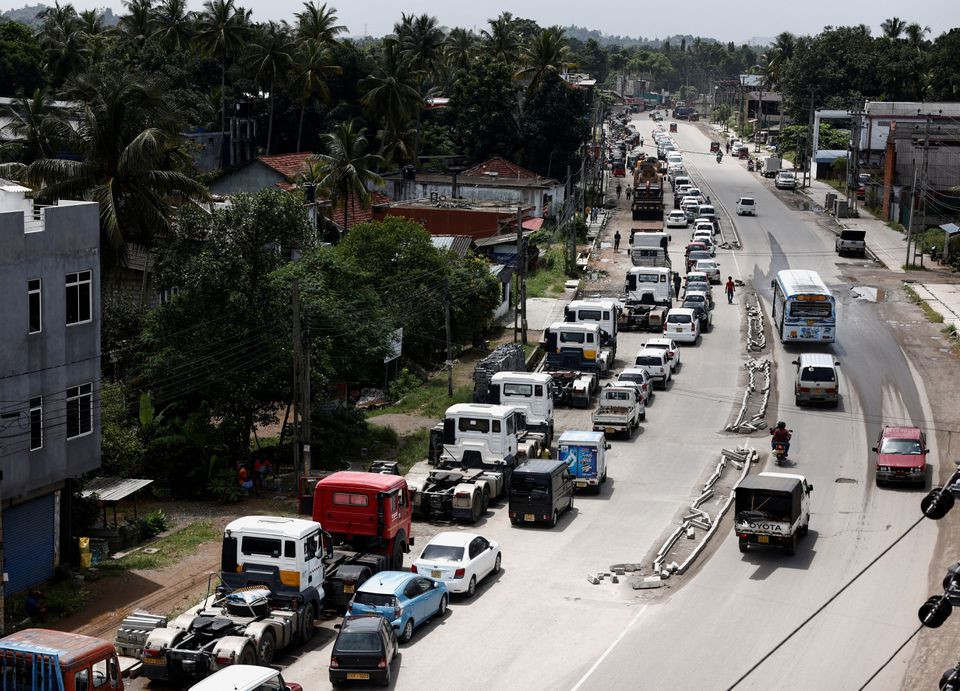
(817, 379)
(682, 325)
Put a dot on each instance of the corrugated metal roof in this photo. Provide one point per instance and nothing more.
(458, 244)
(113, 488)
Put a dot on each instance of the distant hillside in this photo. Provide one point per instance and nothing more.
(28, 15)
(583, 34)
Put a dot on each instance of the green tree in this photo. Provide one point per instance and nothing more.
(553, 126)
(392, 95)
(313, 67)
(459, 48)
(35, 127)
(20, 60)
(483, 102)
(135, 25)
(346, 168)
(171, 25)
(121, 446)
(91, 22)
(270, 57)
(319, 23)
(548, 53)
(502, 40)
(221, 33)
(893, 28)
(944, 77)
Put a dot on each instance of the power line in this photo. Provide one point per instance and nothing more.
(890, 659)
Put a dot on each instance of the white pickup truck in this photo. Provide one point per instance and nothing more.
(621, 409)
(772, 509)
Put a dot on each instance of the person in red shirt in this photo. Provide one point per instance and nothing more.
(730, 287)
(781, 435)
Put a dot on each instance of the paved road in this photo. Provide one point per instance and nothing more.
(738, 606)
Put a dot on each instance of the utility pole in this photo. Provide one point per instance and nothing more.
(305, 404)
(808, 169)
(297, 355)
(923, 187)
(446, 327)
(521, 279)
(913, 203)
(853, 165)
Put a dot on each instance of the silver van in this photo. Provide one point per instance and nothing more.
(817, 379)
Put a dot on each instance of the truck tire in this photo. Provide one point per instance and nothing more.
(804, 529)
(248, 656)
(791, 547)
(744, 545)
(476, 507)
(306, 624)
(399, 547)
(267, 648)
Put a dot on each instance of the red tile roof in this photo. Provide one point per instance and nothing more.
(502, 167)
(357, 213)
(288, 165)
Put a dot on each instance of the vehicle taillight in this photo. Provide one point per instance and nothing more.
(151, 652)
(334, 662)
(225, 659)
(397, 612)
(833, 390)
(804, 389)
(382, 664)
(462, 495)
(413, 568)
(459, 573)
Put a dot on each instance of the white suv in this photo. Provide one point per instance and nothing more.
(785, 180)
(638, 377)
(746, 206)
(656, 363)
(682, 325)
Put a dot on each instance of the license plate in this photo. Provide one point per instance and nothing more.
(763, 538)
(609, 430)
(529, 517)
(435, 573)
(581, 483)
(357, 675)
(348, 588)
(679, 329)
(154, 661)
(818, 391)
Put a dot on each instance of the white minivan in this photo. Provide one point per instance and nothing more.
(682, 325)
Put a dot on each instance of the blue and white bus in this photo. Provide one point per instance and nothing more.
(804, 311)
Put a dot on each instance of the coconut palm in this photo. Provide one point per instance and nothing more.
(125, 155)
(391, 92)
(346, 169)
(893, 28)
(459, 48)
(171, 25)
(421, 43)
(779, 54)
(314, 64)
(35, 127)
(65, 45)
(63, 18)
(502, 39)
(319, 23)
(269, 58)
(136, 23)
(221, 32)
(91, 22)
(915, 34)
(547, 53)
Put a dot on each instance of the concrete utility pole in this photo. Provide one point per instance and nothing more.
(853, 165)
(913, 203)
(446, 326)
(808, 169)
(297, 354)
(522, 276)
(305, 404)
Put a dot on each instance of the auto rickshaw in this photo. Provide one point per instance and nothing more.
(743, 152)
(714, 147)
(673, 127)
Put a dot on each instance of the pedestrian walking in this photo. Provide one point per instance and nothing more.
(676, 284)
(641, 141)
(628, 193)
(619, 190)
(730, 287)
(616, 242)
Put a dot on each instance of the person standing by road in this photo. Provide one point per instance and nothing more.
(616, 241)
(730, 286)
(676, 284)
(619, 190)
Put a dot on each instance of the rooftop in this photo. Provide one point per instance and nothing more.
(477, 205)
(458, 244)
(357, 214)
(499, 167)
(288, 165)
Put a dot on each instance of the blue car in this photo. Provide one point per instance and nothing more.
(405, 599)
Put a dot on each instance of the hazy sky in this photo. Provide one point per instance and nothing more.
(725, 21)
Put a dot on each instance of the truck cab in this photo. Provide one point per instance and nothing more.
(605, 313)
(47, 660)
(576, 347)
(478, 435)
(531, 392)
(772, 509)
(650, 280)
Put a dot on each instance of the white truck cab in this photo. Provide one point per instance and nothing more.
(531, 392)
(604, 313)
(650, 280)
(483, 434)
(576, 347)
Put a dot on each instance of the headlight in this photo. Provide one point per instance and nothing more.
(916, 471)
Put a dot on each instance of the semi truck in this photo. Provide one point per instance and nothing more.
(585, 454)
(572, 387)
(576, 347)
(531, 392)
(620, 409)
(650, 248)
(47, 660)
(604, 313)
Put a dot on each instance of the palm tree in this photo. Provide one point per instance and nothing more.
(220, 33)
(35, 125)
(346, 169)
(64, 18)
(319, 23)
(502, 38)
(172, 25)
(136, 23)
(893, 28)
(391, 93)
(63, 41)
(780, 53)
(125, 155)
(459, 48)
(546, 54)
(421, 43)
(915, 34)
(270, 57)
(91, 22)
(314, 64)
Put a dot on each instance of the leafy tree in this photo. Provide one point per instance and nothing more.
(893, 27)
(121, 447)
(484, 105)
(392, 93)
(136, 24)
(459, 48)
(20, 60)
(553, 127)
(91, 22)
(314, 65)
(221, 32)
(318, 23)
(944, 76)
(502, 39)
(171, 25)
(35, 128)
(270, 57)
(548, 53)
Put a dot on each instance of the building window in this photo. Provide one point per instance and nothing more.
(35, 305)
(79, 410)
(36, 423)
(79, 298)
(167, 294)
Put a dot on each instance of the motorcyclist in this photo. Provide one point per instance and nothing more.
(781, 435)
(719, 156)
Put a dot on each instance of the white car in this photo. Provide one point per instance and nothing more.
(704, 224)
(785, 180)
(681, 189)
(459, 560)
(746, 206)
(682, 325)
(710, 267)
(665, 344)
(241, 678)
(640, 378)
(677, 219)
(656, 363)
(695, 192)
(708, 242)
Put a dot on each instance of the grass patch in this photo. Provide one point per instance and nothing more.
(550, 275)
(430, 400)
(893, 225)
(913, 267)
(413, 449)
(62, 597)
(931, 314)
(171, 549)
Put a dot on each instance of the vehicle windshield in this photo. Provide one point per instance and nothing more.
(707, 265)
(358, 642)
(809, 308)
(638, 378)
(523, 484)
(449, 553)
(905, 447)
(695, 298)
(648, 360)
(375, 599)
(746, 202)
(678, 319)
(811, 373)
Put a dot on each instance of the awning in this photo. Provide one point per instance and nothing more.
(113, 488)
(829, 155)
(950, 228)
(533, 224)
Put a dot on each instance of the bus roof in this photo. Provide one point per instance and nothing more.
(802, 281)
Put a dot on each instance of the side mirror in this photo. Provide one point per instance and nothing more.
(773, 284)
(607, 447)
(836, 364)
(874, 449)
(795, 362)
(809, 489)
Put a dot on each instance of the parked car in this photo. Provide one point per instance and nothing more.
(640, 378)
(704, 224)
(682, 325)
(699, 297)
(677, 219)
(746, 206)
(681, 189)
(459, 560)
(901, 456)
(704, 316)
(664, 344)
(707, 240)
(364, 650)
(710, 268)
(785, 180)
(245, 678)
(689, 208)
(656, 363)
(405, 599)
(696, 256)
(540, 490)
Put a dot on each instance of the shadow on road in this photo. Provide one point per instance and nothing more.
(770, 559)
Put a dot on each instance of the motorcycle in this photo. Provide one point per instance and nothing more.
(750, 165)
(779, 450)
(719, 157)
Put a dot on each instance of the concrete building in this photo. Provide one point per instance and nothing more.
(477, 219)
(495, 179)
(49, 376)
(260, 173)
(879, 116)
(922, 162)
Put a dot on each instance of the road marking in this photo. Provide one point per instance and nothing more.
(609, 649)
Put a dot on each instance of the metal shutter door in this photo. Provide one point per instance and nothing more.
(28, 543)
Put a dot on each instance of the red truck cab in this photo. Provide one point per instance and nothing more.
(368, 511)
(901, 456)
(46, 660)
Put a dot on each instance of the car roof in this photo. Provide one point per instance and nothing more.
(386, 582)
(650, 351)
(657, 341)
(816, 360)
(639, 371)
(539, 466)
(293, 528)
(902, 432)
(236, 677)
(361, 622)
(707, 262)
(452, 538)
(682, 310)
(358, 480)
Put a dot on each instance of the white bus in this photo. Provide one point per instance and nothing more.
(804, 310)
